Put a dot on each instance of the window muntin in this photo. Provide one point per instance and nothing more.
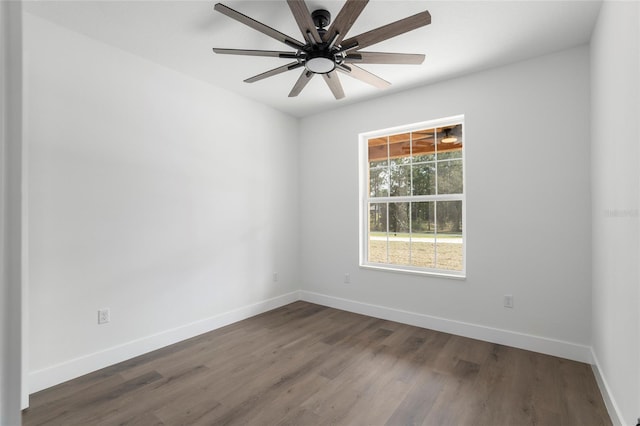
(413, 198)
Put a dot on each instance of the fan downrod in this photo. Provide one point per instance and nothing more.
(321, 19)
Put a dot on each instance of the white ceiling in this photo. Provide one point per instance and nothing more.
(464, 37)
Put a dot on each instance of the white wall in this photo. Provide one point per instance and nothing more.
(169, 201)
(616, 190)
(10, 212)
(528, 204)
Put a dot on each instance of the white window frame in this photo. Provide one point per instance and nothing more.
(365, 199)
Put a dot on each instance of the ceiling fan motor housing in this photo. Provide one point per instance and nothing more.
(320, 58)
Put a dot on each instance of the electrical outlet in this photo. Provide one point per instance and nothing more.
(508, 301)
(347, 278)
(275, 277)
(104, 316)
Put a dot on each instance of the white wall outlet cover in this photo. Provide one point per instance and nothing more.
(508, 301)
(104, 316)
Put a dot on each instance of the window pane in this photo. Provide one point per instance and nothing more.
(378, 232)
(400, 149)
(400, 180)
(423, 145)
(449, 236)
(399, 242)
(422, 234)
(377, 218)
(450, 177)
(449, 144)
(379, 182)
(414, 172)
(424, 179)
(447, 155)
(378, 152)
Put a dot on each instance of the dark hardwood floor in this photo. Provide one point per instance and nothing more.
(305, 364)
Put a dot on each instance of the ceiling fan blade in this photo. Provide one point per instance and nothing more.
(365, 76)
(388, 31)
(273, 72)
(334, 84)
(384, 58)
(345, 19)
(303, 19)
(304, 78)
(259, 26)
(245, 52)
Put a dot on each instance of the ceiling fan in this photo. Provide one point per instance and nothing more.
(325, 50)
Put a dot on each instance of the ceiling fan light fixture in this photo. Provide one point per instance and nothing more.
(320, 64)
(448, 138)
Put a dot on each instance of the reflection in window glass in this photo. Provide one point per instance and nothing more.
(423, 145)
(378, 152)
(449, 142)
(400, 149)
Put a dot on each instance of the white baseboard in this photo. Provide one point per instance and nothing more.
(529, 342)
(612, 407)
(51, 376)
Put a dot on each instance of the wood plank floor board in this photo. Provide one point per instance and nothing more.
(495, 387)
(77, 410)
(305, 364)
(422, 396)
(581, 395)
(260, 390)
(191, 409)
(346, 354)
(57, 395)
(462, 391)
(158, 394)
(289, 400)
(332, 402)
(379, 402)
(102, 411)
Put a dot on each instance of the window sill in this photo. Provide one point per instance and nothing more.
(436, 274)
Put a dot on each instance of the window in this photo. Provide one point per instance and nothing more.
(412, 211)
